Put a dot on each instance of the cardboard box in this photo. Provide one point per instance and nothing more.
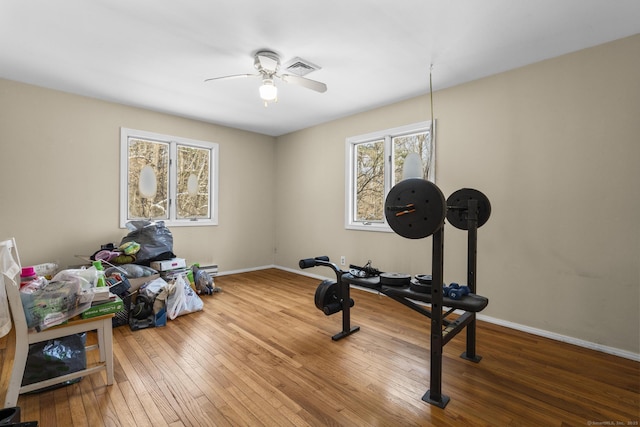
(105, 308)
(169, 264)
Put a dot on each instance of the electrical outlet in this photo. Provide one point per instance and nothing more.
(343, 260)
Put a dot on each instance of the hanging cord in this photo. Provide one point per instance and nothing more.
(429, 166)
(431, 100)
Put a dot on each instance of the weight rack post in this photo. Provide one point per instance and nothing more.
(434, 395)
(472, 256)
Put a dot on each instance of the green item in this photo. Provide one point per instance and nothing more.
(124, 259)
(98, 266)
(104, 308)
(130, 248)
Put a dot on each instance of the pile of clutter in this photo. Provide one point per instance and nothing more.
(140, 280)
(161, 284)
(165, 290)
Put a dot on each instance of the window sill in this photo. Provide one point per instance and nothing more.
(384, 228)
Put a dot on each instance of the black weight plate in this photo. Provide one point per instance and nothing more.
(395, 279)
(424, 278)
(423, 288)
(415, 208)
(458, 202)
(325, 294)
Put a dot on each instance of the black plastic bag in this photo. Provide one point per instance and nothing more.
(53, 358)
(156, 241)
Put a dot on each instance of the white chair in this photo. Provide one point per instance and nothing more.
(10, 280)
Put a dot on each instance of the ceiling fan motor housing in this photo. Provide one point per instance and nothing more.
(267, 61)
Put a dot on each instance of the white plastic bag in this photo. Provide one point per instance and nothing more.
(183, 300)
(88, 277)
(155, 286)
(56, 302)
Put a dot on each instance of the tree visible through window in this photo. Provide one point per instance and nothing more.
(194, 167)
(148, 162)
(168, 178)
(369, 180)
(374, 165)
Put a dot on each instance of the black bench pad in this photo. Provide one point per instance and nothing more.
(472, 302)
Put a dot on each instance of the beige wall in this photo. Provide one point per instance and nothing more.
(59, 184)
(554, 145)
(556, 148)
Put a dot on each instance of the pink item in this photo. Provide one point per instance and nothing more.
(28, 273)
(106, 255)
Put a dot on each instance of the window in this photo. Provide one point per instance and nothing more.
(374, 165)
(167, 178)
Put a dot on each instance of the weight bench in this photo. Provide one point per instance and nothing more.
(415, 208)
(405, 295)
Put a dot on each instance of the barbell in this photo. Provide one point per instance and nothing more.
(416, 208)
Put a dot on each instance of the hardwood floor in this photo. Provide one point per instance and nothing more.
(261, 354)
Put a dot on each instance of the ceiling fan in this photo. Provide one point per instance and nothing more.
(268, 63)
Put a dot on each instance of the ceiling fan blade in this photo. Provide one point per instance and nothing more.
(234, 76)
(303, 81)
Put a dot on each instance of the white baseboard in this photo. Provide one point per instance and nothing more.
(562, 338)
(518, 327)
(305, 273)
(247, 270)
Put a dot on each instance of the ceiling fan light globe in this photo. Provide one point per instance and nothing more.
(268, 90)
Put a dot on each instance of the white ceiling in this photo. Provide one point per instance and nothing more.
(156, 54)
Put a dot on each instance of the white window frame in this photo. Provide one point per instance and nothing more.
(173, 142)
(350, 189)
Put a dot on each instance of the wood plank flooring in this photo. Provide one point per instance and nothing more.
(261, 354)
